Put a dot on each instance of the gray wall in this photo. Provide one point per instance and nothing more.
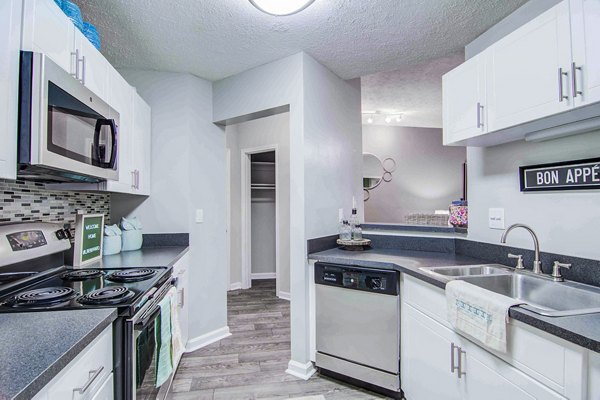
(188, 173)
(325, 135)
(566, 222)
(428, 175)
(274, 130)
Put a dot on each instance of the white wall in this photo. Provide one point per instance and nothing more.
(268, 131)
(566, 222)
(332, 148)
(325, 147)
(428, 175)
(188, 173)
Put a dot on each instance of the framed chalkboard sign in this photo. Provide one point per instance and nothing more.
(566, 175)
(89, 232)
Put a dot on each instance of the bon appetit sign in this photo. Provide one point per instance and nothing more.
(567, 175)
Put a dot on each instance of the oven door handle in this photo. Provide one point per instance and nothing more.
(145, 321)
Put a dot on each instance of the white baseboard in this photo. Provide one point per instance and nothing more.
(235, 286)
(206, 339)
(284, 295)
(263, 275)
(299, 370)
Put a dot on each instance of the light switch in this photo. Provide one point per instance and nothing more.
(199, 216)
(496, 218)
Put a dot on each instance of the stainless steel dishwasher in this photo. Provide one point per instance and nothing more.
(358, 325)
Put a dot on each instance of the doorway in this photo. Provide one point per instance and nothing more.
(260, 216)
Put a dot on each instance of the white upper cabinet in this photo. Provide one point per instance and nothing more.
(10, 31)
(47, 30)
(532, 79)
(120, 98)
(93, 67)
(529, 71)
(465, 100)
(585, 69)
(142, 146)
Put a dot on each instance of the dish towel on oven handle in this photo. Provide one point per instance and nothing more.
(176, 340)
(479, 313)
(164, 347)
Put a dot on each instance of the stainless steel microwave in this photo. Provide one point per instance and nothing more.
(66, 132)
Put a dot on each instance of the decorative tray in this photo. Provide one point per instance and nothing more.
(355, 245)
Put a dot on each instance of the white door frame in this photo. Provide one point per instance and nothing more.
(228, 208)
(246, 226)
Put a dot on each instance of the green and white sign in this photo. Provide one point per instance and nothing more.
(88, 238)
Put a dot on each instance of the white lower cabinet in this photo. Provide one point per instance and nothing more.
(88, 376)
(437, 362)
(181, 272)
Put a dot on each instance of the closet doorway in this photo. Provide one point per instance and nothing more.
(260, 215)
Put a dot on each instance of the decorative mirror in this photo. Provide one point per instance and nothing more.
(372, 171)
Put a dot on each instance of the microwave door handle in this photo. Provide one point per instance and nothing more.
(113, 152)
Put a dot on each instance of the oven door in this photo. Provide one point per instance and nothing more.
(64, 126)
(143, 347)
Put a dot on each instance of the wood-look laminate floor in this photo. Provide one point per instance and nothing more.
(251, 363)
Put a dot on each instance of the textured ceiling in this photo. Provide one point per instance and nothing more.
(415, 92)
(214, 39)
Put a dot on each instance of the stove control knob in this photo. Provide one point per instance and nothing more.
(375, 283)
(60, 234)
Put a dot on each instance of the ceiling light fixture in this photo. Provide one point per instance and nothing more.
(281, 7)
(370, 120)
(388, 119)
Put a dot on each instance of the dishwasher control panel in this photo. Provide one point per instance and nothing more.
(357, 278)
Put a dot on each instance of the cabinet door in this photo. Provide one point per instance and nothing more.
(10, 31)
(524, 70)
(120, 97)
(142, 145)
(181, 270)
(426, 358)
(46, 29)
(585, 23)
(93, 66)
(106, 391)
(487, 377)
(464, 98)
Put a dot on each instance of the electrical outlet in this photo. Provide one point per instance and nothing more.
(199, 216)
(496, 218)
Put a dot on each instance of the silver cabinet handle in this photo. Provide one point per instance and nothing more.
(561, 95)
(479, 117)
(574, 69)
(452, 366)
(94, 374)
(182, 294)
(75, 55)
(138, 179)
(133, 179)
(459, 369)
(83, 67)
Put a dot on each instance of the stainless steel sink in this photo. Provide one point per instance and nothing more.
(459, 271)
(543, 296)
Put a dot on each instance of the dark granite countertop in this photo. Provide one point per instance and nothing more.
(145, 257)
(36, 346)
(583, 330)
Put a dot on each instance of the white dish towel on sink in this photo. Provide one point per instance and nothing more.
(479, 313)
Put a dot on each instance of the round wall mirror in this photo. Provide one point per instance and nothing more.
(372, 171)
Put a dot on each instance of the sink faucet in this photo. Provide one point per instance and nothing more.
(537, 264)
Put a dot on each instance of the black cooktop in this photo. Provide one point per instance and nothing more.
(70, 288)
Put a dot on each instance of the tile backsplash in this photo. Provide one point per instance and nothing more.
(22, 201)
